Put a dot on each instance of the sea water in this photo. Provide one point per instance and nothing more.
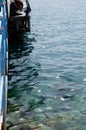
(47, 69)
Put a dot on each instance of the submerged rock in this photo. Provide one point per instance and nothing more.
(23, 127)
(62, 118)
(28, 128)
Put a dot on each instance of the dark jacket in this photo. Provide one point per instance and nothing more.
(14, 7)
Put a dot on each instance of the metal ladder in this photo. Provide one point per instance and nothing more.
(3, 63)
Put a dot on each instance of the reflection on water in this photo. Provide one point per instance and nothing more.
(22, 74)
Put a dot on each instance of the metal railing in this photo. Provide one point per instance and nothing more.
(3, 63)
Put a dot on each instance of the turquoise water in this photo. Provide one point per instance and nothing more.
(47, 69)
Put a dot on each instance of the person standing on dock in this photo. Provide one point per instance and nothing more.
(15, 6)
(28, 8)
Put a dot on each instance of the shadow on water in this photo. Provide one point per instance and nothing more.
(20, 46)
(19, 50)
(23, 72)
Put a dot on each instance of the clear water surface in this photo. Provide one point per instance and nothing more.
(47, 69)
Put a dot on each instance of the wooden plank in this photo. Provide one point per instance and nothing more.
(1, 93)
(1, 118)
(1, 121)
(0, 55)
(23, 16)
(0, 126)
(8, 7)
(11, 19)
(1, 11)
(0, 43)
